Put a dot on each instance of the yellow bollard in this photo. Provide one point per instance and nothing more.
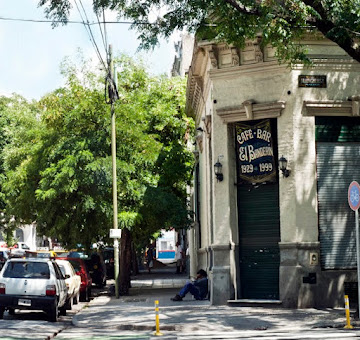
(157, 319)
(347, 313)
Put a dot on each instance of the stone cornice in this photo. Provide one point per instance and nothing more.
(333, 63)
(347, 108)
(251, 111)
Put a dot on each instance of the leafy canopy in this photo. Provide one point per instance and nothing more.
(282, 22)
(58, 165)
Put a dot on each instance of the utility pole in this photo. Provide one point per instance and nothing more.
(113, 95)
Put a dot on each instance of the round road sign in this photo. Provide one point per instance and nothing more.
(354, 195)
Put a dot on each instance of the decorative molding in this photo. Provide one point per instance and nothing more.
(213, 57)
(208, 122)
(252, 53)
(220, 247)
(235, 57)
(251, 111)
(347, 108)
(199, 141)
(250, 69)
(334, 63)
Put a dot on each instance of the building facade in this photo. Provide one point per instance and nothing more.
(263, 234)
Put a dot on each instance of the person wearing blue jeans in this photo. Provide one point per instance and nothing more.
(198, 288)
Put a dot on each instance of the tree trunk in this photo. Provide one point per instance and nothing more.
(134, 262)
(125, 262)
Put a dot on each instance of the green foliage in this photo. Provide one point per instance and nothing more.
(282, 22)
(57, 161)
(17, 116)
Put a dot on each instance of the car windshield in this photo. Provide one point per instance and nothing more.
(27, 270)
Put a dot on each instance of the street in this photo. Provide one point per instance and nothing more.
(133, 317)
(124, 319)
(27, 324)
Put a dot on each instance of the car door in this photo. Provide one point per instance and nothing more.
(76, 279)
(60, 284)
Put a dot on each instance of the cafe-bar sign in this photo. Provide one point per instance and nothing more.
(255, 152)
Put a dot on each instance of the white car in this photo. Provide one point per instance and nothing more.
(72, 281)
(35, 284)
(19, 249)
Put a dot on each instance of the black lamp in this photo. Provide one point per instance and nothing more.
(283, 166)
(218, 171)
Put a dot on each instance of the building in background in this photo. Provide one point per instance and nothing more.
(165, 246)
(26, 234)
(183, 55)
(284, 236)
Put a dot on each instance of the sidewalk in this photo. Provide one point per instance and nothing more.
(136, 312)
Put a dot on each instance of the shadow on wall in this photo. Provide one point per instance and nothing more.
(338, 249)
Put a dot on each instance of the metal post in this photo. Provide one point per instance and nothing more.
(357, 254)
(347, 313)
(157, 321)
(114, 178)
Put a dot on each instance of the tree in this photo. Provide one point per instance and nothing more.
(58, 162)
(16, 114)
(282, 22)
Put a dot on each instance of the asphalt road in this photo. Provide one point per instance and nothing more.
(27, 324)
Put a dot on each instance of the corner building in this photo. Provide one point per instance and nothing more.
(267, 236)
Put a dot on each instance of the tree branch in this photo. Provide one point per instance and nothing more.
(243, 9)
(325, 26)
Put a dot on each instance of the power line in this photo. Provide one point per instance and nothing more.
(102, 35)
(106, 42)
(91, 23)
(91, 36)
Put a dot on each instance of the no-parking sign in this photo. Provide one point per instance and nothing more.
(354, 195)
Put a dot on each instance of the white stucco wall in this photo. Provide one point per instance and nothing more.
(265, 82)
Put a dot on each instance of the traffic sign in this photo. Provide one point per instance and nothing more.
(354, 195)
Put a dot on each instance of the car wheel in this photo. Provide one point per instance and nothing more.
(76, 298)
(54, 313)
(69, 303)
(11, 311)
(63, 310)
(87, 294)
(2, 310)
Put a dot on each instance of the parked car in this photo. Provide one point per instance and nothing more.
(73, 282)
(45, 253)
(19, 249)
(109, 259)
(97, 269)
(32, 284)
(81, 270)
(4, 256)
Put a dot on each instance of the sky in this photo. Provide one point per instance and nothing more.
(31, 53)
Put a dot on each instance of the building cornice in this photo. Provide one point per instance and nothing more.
(251, 111)
(347, 108)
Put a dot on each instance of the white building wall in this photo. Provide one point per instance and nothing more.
(264, 81)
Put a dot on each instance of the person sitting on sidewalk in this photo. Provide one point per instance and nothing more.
(198, 288)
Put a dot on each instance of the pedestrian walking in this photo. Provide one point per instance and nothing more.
(150, 256)
(179, 257)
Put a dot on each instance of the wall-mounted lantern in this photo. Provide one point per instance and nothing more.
(283, 166)
(218, 171)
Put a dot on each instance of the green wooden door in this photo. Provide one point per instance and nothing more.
(259, 231)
